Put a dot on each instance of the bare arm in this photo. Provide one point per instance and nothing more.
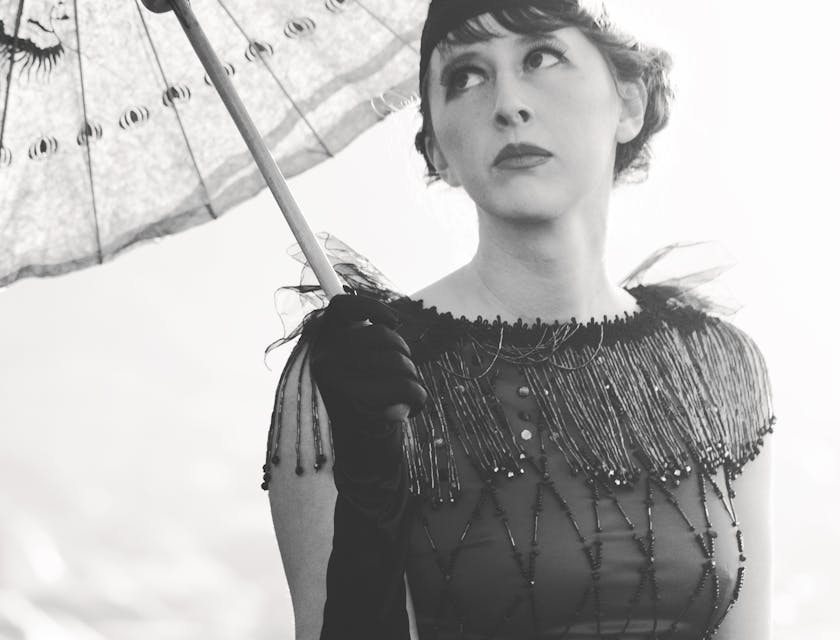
(751, 615)
(302, 507)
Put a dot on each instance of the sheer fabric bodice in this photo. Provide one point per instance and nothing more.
(543, 548)
(576, 481)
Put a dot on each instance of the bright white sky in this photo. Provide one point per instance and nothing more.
(134, 402)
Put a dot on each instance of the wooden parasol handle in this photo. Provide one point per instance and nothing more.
(315, 255)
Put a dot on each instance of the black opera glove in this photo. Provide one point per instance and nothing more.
(360, 372)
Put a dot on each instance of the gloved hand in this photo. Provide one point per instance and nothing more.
(361, 371)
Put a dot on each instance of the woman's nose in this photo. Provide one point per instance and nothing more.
(511, 107)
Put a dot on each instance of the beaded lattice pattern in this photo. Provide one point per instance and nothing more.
(573, 480)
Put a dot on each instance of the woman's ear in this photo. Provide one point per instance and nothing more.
(634, 99)
(439, 161)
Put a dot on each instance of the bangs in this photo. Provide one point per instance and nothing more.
(520, 20)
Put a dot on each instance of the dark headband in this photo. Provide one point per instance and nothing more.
(447, 15)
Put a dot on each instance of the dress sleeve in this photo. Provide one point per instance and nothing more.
(365, 587)
(688, 275)
(298, 406)
(299, 308)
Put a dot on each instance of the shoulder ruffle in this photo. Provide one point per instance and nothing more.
(688, 274)
(299, 305)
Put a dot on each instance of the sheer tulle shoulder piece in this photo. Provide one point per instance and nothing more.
(688, 273)
(300, 305)
(676, 367)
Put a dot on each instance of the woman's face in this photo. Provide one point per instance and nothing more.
(555, 92)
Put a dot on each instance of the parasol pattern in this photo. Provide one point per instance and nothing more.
(111, 133)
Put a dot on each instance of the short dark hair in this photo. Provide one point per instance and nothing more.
(628, 60)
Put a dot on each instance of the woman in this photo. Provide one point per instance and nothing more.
(553, 479)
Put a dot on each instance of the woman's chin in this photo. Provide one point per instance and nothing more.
(535, 212)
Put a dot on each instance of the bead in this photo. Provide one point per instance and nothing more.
(264, 486)
(460, 388)
(320, 459)
(439, 442)
(526, 434)
(299, 470)
(523, 391)
(275, 459)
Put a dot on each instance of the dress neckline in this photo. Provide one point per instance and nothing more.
(657, 309)
(432, 313)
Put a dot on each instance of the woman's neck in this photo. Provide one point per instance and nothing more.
(552, 270)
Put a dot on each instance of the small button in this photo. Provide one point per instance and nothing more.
(523, 391)
(526, 434)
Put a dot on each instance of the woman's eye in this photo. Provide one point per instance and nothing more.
(540, 58)
(459, 79)
(537, 58)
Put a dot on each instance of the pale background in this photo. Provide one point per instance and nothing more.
(134, 401)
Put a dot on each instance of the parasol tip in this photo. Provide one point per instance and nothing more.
(158, 6)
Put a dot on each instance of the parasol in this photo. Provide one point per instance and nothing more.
(111, 131)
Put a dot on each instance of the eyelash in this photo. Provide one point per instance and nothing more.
(540, 48)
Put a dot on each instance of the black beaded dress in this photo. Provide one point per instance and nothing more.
(574, 480)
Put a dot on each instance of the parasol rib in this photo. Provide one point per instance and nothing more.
(85, 133)
(9, 75)
(277, 80)
(383, 23)
(177, 114)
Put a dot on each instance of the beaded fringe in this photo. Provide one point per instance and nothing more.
(653, 404)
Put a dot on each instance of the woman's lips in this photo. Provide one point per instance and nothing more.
(522, 162)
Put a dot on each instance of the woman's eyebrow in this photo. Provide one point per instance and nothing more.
(525, 38)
